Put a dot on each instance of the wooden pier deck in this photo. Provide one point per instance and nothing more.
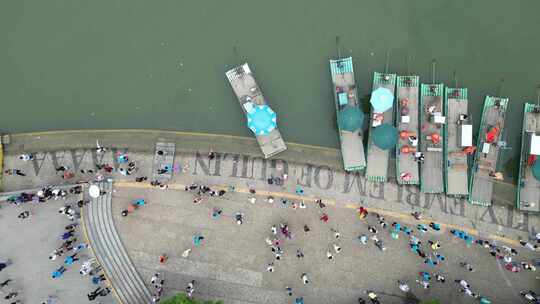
(456, 171)
(377, 158)
(352, 147)
(246, 89)
(407, 91)
(481, 183)
(431, 171)
(528, 190)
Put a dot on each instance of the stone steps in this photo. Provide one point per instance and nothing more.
(110, 251)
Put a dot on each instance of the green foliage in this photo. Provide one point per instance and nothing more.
(182, 299)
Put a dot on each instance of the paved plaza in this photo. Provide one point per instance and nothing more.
(232, 260)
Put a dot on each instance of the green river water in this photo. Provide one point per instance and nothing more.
(160, 64)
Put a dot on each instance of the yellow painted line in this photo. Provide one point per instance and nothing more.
(349, 205)
(198, 134)
(85, 234)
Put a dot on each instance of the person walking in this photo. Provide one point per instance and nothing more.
(71, 259)
(329, 255)
(186, 253)
(463, 283)
(11, 295)
(58, 272)
(14, 172)
(270, 267)
(5, 283)
(299, 253)
(305, 279)
(4, 264)
(197, 240)
(466, 266)
(289, 291)
(373, 297)
(24, 215)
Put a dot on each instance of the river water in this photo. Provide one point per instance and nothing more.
(160, 64)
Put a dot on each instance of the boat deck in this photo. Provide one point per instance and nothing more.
(377, 158)
(246, 89)
(528, 194)
(457, 181)
(407, 89)
(481, 184)
(352, 147)
(431, 171)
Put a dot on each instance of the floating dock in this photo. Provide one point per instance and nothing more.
(432, 123)
(528, 190)
(484, 167)
(457, 141)
(250, 96)
(346, 99)
(407, 171)
(377, 158)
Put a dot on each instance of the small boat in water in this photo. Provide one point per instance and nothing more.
(381, 121)
(261, 120)
(458, 142)
(349, 115)
(407, 171)
(484, 168)
(528, 190)
(432, 122)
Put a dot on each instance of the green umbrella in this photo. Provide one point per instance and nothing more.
(385, 136)
(536, 170)
(350, 118)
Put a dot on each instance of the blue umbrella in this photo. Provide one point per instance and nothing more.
(536, 170)
(381, 100)
(262, 120)
(350, 118)
(385, 136)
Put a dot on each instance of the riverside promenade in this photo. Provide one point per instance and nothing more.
(231, 263)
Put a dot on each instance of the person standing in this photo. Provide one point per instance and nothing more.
(403, 286)
(190, 289)
(305, 279)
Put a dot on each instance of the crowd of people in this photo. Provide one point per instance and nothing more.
(421, 238)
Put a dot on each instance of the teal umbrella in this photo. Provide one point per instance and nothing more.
(381, 99)
(350, 118)
(262, 120)
(536, 170)
(385, 136)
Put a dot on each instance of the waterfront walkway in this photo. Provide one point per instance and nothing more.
(232, 260)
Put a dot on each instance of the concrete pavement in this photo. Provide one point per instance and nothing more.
(231, 263)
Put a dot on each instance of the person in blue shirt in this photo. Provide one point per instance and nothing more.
(58, 272)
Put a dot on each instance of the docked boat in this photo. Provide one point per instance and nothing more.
(528, 190)
(458, 142)
(484, 168)
(432, 122)
(349, 114)
(261, 119)
(382, 133)
(407, 171)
